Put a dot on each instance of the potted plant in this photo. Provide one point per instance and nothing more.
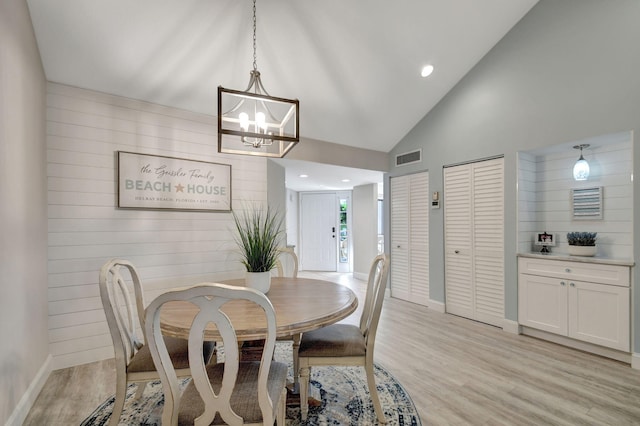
(582, 243)
(258, 237)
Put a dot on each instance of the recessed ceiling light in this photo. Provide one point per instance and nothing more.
(304, 176)
(427, 70)
(346, 180)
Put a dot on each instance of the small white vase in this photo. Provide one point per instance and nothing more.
(582, 250)
(261, 281)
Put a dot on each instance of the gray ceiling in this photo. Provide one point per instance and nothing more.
(353, 64)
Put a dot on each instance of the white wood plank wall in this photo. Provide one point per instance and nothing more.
(528, 222)
(84, 131)
(545, 182)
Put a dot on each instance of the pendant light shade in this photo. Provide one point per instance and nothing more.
(581, 168)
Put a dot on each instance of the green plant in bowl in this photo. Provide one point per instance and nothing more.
(582, 238)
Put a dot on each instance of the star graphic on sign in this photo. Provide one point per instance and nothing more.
(179, 188)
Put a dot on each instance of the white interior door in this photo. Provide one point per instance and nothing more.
(488, 240)
(458, 242)
(474, 240)
(318, 231)
(410, 237)
(399, 242)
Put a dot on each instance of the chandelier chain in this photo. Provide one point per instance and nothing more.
(255, 61)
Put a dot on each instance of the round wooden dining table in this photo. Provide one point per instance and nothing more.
(301, 304)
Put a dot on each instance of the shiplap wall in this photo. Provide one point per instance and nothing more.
(528, 221)
(169, 248)
(545, 180)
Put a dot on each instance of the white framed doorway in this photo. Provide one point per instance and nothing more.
(325, 231)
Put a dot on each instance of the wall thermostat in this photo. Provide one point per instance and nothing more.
(435, 200)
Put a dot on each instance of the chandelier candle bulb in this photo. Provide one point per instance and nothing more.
(244, 121)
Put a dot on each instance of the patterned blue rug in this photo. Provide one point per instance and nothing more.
(344, 399)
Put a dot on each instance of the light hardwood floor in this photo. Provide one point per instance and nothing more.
(457, 371)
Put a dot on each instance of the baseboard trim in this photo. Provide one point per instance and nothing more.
(436, 306)
(361, 276)
(511, 326)
(635, 361)
(21, 411)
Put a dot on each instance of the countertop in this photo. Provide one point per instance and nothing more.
(582, 259)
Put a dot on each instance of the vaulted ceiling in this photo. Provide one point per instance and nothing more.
(353, 64)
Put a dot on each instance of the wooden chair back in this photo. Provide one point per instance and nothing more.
(378, 276)
(289, 258)
(210, 298)
(122, 316)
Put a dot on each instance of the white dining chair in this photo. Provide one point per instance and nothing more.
(347, 344)
(133, 359)
(233, 392)
(287, 266)
(287, 263)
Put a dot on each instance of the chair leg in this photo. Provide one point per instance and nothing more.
(118, 404)
(140, 390)
(371, 382)
(305, 372)
(296, 362)
(282, 408)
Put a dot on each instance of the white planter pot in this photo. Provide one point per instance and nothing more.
(582, 250)
(261, 281)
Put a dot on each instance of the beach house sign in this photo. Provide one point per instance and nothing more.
(156, 182)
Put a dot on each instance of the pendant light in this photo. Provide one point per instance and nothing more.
(252, 122)
(581, 168)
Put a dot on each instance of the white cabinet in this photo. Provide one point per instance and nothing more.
(580, 300)
(542, 303)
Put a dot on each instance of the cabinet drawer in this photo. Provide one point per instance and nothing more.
(589, 272)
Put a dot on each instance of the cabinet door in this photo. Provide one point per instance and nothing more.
(599, 314)
(542, 303)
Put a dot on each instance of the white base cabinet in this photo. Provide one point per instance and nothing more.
(594, 309)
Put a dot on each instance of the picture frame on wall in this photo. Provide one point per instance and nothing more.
(154, 182)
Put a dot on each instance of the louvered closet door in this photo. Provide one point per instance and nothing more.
(474, 240)
(488, 239)
(457, 239)
(409, 200)
(419, 238)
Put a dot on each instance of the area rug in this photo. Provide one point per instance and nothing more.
(343, 399)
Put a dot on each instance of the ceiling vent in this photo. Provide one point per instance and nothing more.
(409, 158)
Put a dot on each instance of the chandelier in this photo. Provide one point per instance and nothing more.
(252, 122)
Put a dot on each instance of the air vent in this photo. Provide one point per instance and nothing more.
(409, 158)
